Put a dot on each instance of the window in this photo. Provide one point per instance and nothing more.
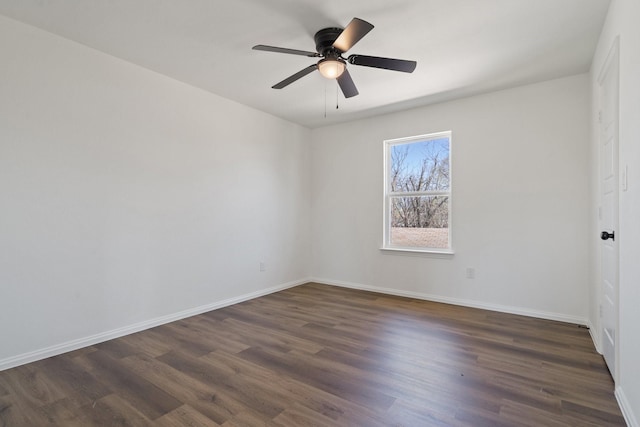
(418, 193)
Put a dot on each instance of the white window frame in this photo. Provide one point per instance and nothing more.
(388, 194)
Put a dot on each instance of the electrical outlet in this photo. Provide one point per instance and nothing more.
(471, 273)
(263, 266)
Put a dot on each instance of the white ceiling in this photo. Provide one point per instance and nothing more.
(462, 47)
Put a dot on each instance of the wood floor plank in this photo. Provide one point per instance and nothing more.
(278, 340)
(180, 337)
(64, 412)
(226, 383)
(16, 411)
(511, 412)
(154, 346)
(323, 403)
(590, 413)
(30, 385)
(196, 368)
(325, 356)
(297, 415)
(249, 419)
(185, 416)
(203, 398)
(219, 332)
(320, 377)
(424, 414)
(112, 410)
(147, 398)
(78, 385)
(116, 348)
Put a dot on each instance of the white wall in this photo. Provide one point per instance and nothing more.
(520, 162)
(622, 21)
(127, 196)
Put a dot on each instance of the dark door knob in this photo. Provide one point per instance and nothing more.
(606, 236)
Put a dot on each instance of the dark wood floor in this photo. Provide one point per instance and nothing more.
(318, 355)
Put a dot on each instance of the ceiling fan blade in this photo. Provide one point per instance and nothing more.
(296, 76)
(285, 50)
(386, 63)
(352, 34)
(346, 84)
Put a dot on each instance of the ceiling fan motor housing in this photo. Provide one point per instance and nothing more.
(324, 42)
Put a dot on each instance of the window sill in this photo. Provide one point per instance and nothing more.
(435, 253)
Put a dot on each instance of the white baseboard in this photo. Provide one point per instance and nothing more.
(65, 347)
(458, 301)
(625, 407)
(595, 337)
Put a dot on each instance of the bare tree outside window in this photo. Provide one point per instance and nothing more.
(418, 192)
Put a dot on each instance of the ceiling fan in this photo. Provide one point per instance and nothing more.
(331, 43)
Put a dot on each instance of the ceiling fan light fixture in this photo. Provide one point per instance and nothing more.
(331, 68)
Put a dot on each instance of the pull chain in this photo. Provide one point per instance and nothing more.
(326, 100)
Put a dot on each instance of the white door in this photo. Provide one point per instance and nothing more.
(608, 118)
